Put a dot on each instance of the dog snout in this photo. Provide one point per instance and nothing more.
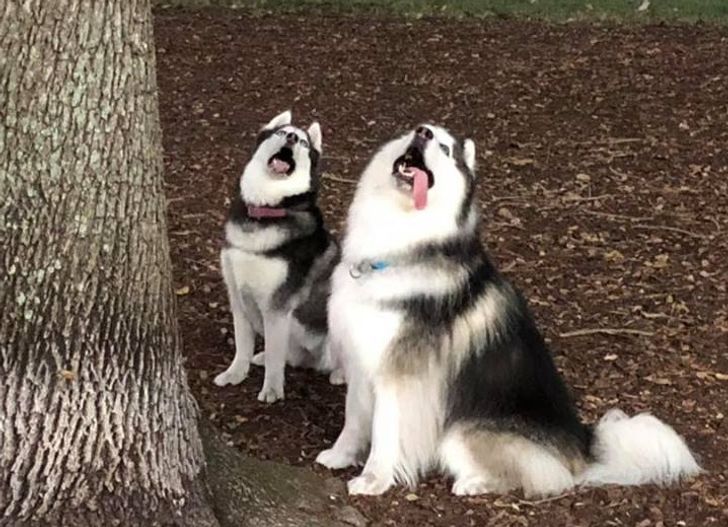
(422, 136)
(424, 132)
(291, 138)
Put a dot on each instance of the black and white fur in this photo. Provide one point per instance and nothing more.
(277, 269)
(444, 364)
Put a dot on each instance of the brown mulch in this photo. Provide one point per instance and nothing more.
(603, 171)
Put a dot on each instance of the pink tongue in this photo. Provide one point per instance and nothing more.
(420, 184)
(279, 166)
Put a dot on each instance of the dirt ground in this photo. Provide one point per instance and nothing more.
(603, 175)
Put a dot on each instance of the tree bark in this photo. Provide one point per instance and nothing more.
(97, 424)
(96, 420)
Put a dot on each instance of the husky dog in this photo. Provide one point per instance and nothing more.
(444, 364)
(278, 258)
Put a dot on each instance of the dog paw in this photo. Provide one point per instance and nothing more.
(337, 377)
(369, 484)
(232, 376)
(258, 359)
(270, 393)
(471, 486)
(334, 459)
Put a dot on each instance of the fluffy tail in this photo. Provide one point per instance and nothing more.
(637, 450)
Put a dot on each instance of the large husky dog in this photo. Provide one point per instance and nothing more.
(444, 363)
(278, 258)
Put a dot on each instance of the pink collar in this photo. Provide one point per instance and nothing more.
(266, 212)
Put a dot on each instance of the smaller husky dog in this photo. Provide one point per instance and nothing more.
(278, 258)
(444, 363)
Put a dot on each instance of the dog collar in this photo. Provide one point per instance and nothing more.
(266, 212)
(367, 266)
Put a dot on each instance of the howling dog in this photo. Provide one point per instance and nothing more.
(444, 363)
(278, 258)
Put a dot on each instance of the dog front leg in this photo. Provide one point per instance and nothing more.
(378, 474)
(354, 437)
(244, 333)
(277, 331)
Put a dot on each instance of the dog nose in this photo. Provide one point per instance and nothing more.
(422, 136)
(291, 138)
(424, 132)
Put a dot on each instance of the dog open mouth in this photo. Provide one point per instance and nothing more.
(411, 172)
(282, 163)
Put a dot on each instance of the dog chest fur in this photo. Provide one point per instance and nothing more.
(357, 319)
(256, 275)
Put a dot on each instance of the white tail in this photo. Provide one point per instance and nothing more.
(637, 450)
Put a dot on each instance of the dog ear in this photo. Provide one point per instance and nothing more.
(314, 133)
(281, 119)
(469, 154)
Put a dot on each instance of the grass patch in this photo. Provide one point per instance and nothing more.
(554, 10)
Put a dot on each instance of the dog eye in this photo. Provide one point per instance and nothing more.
(281, 133)
(445, 149)
(303, 143)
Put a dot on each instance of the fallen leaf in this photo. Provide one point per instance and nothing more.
(503, 212)
(182, 291)
(711, 501)
(521, 161)
(661, 381)
(661, 261)
(614, 256)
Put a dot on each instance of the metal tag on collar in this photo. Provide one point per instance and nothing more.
(367, 266)
(355, 271)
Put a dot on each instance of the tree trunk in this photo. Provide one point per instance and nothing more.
(96, 420)
(97, 424)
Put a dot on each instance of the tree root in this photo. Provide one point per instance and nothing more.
(249, 492)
